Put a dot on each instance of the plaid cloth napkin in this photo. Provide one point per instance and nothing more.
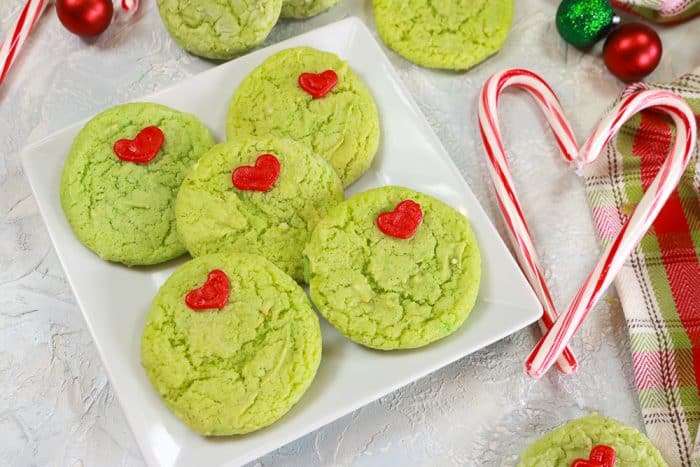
(659, 286)
(661, 11)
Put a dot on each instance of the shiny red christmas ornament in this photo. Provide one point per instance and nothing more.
(85, 17)
(632, 51)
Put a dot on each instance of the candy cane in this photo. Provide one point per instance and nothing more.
(557, 337)
(18, 34)
(499, 170)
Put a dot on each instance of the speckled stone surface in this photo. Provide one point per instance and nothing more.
(390, 293)
(57, 406)
(188, 354)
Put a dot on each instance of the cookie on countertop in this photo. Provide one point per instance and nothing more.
(256, 195)
(392, 268)
(592, 438)
(453, 35)
(231, 343)
(305, 8)
(121, 178)
(219, 29)
(312, 97)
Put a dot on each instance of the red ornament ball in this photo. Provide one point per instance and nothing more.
(632, 51)
(85, 17)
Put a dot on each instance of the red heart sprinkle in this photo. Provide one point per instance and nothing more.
(141, 149)
(318, 84)
(260, 177)
(213, 294)
(403, 221)
(601, 456)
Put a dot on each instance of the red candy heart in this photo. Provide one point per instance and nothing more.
(259, 177)
(403, 221)
(213, 294)
(601, 456)
(318, 84)
(141, 149)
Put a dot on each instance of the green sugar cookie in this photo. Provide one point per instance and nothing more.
(576, 439)
(214, 215)
(386, 292)
(448, 34)
(343, 126)
(125, 211)
(219, 29)
(305, 8)
(237, 366)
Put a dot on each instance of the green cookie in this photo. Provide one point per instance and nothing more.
(239, 368)
(343, 126)
(305, 8)
(576, 439)
(453, 35)
(385, 292)
(213, 215)
(219, 29)
(125, 211)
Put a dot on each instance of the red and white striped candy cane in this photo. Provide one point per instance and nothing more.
(18, 34)
(556, 339)
(499, 170)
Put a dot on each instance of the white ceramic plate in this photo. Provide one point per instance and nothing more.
(114, 299)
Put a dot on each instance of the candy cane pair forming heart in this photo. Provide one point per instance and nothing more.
(560, 329)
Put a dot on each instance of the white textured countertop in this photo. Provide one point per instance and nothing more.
(57, 407)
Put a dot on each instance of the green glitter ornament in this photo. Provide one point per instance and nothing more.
(583, 22)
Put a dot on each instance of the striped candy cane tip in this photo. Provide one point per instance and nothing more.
(18, 34)
(558, 336)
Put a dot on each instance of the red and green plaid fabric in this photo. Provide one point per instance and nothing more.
(661, 11)
(659, 286)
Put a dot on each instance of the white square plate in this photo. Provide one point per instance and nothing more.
(114, 299)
